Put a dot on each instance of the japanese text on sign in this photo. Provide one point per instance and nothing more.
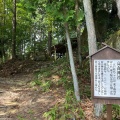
(107, 78)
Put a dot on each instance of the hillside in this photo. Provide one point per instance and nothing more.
(43, 91)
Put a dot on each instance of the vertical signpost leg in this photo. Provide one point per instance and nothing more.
(109, 112)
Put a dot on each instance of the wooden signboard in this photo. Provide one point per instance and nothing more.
(105, 76)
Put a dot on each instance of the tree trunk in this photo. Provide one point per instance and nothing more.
(118, 7)
(90, 27)
(75, 79)
(78, 32)
(49, 35)
(3, 39)
(91, 41)
(14, 31)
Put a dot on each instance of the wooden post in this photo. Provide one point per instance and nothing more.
(109, 112)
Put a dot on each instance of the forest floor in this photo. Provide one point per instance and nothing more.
(20, 101)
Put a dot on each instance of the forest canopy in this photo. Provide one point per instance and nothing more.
(29, 29)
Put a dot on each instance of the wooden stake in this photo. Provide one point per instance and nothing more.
(109, 112)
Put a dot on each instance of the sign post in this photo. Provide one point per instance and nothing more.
(105, 78)
(109, 112)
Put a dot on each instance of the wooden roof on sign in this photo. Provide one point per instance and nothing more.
(104, 49)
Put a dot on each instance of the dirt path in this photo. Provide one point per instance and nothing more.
(19, 101)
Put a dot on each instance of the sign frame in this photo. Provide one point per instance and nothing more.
(106, 53)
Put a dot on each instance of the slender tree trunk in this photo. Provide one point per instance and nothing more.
(2, 32)
(78, 31)
(3, 39)
(75, 79)
(91, 41)
(49, 42)
(14, 31)
(50, 34)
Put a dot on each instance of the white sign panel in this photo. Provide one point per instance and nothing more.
(107, 78)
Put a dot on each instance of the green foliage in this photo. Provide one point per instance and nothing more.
(51, 115)
(44, 85)
(116, 110)
(63, 11)
(69, 15)
(35, 82)
(80, 15)
(34, 20)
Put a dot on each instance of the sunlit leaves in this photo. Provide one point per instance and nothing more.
(80, 15)
(69, 15)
